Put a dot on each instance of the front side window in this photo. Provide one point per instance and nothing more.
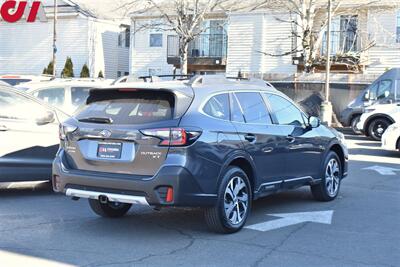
(156, 39)
(218, 107)
(52, 96)
(384, 90)
(236, 112)
(253, 107)
(285, 112)
(17, 107)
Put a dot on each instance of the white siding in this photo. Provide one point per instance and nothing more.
(106, 56)
(26, 48)
(386, 53)
(252, 33)
(244, 41)
(144, 57)
(277, 40)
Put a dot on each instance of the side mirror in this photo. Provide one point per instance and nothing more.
(47, 118)
(366, 96)
(387, 94)
(314, 122)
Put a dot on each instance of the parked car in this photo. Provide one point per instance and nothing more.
(391, 137)
(216, 143)
(377, 118)
(18, 79)
(28, 136)
(385, 90)
(65, 94)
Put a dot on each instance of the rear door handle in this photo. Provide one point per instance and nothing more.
(250, 137)
(290, 138)
(3, 128)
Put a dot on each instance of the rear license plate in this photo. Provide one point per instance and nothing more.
(109, 150)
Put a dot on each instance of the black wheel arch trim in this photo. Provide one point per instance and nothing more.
(330, 148)
(376, 116)
(239, 154)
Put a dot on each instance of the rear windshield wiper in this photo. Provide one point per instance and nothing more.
(97, 120)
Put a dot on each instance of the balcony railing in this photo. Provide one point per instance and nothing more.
(204, 46)
(342, 42)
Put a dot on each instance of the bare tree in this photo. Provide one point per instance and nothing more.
(183, 17)
(308, 19)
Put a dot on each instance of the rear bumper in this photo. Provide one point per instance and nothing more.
(132, 189)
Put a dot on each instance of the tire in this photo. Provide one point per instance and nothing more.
(353, 124)
(222, 218)
(110, 209)
(328, 188)
(377, 127)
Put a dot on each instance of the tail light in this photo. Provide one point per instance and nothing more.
(173, 136)
(65, 129)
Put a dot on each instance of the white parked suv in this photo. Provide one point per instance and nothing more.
(391, 137)
(65, 94)
(377, 118)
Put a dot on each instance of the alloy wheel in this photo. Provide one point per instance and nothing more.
(379, 129)
(332, 177)
(236, 200)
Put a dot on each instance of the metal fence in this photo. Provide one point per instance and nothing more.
(205, 45)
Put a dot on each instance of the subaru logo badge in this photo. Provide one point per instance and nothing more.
(105, 133)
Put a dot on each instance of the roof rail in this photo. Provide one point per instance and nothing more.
(221, 79)
(158, 78)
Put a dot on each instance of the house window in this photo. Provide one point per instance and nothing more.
(398, 27)
(343, 35)
(119, 74)
(126, 73)
(156, 39)
(120, 39)
(127, 37)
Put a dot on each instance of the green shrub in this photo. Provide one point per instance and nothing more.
(68, 71)
(85, 72)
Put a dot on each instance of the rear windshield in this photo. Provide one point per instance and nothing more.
(131, 107)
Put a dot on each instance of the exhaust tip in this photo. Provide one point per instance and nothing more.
(103, 199)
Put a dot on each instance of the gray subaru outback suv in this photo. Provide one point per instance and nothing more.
(209, 142)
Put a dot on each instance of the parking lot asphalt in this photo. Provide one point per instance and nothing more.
(360, 228)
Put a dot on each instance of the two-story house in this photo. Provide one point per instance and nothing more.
(257, 42)
(156, 50)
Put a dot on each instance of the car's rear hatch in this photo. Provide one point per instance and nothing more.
(123, 131)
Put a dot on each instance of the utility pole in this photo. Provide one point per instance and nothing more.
(326, 107)
(54, 39)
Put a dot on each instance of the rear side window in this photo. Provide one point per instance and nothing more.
(397, 89)
(218, 107)
(285, 112)
(253, 107)
(52, 96)
(131, 107)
